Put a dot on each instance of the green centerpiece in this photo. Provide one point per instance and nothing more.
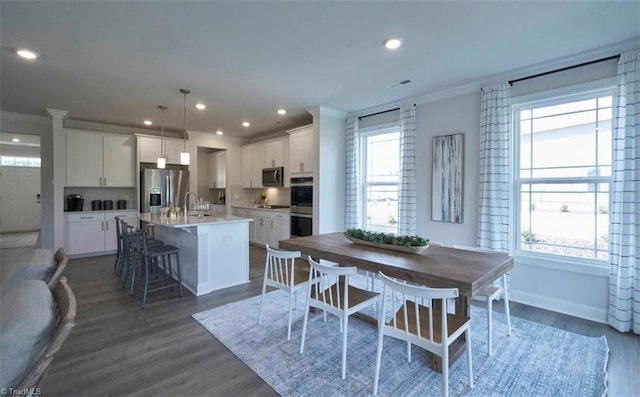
(390, 241)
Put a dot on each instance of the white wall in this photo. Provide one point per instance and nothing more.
(329, 180)
(454, 115)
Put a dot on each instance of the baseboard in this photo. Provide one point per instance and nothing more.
(559, 306)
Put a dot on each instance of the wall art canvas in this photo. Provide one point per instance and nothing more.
(447, 178)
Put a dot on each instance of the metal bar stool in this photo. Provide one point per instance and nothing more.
(157, 263)
(130, 254)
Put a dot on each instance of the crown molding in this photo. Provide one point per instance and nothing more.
(25, 117)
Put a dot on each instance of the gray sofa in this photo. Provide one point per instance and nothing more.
(37, 312)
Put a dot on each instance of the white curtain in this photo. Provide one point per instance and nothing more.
(495, 141)
(352, 147)
(624, 229)
(407, 193)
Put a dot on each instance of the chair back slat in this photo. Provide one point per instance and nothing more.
(413, 308)
(330, 283)
(279, 267)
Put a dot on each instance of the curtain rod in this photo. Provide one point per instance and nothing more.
(382, 112)
(511, 82)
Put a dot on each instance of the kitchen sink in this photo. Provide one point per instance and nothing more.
(274, 207)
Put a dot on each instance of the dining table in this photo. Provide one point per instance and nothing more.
(434, 266)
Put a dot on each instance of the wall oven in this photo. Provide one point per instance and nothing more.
(301, 206)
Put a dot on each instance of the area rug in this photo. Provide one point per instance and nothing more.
(536, 360)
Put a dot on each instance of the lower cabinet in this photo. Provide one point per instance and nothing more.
(268, 226)
(92, 233)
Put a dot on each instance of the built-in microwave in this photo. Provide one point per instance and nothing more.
(273, 176)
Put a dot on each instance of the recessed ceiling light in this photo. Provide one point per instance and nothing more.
(282, 111)
(392, 43)
(147, 122)
(15, 140)
(27, 54)
(246, 123)
(219, 132)
(201, 106)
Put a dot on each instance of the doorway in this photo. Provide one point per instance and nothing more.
(19, 184)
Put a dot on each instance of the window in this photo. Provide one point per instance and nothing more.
(563, 173)
(381, 179)
(13, 161)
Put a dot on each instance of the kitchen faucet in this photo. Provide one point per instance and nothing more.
(186, 202)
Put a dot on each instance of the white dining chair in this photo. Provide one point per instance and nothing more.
(280, 272)
(422, 319)
(329, 290)
(490, 293)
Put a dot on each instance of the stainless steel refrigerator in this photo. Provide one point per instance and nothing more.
(171, 183)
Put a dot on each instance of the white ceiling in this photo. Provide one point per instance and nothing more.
(117, 61)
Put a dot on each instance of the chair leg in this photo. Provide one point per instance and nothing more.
(376, 376)
(291, 300)
(445, 371)
(344, 346)
(179, 273)
(490, 324)
(467, 336)
(408, 352)
(505, 289)
(306, 318)
(264, 291)
(146, 281)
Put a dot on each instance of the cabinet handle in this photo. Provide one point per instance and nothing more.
(105, 181)
(86, 217)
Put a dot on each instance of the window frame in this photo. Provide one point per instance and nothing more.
(573, 93)
(379, 129)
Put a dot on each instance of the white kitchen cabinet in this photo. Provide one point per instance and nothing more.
(301, 150)
(252, 160)
(278, 228)
(247, 213)
(268, 226)
(93, 232)
(149, 149)
(95, 159)
(273, 153)
(218, 169)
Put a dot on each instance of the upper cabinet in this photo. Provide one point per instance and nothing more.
(149, 149)
(98, 159)
(301, 150)
(273, 153)
(256, 156)
(218, 169)
(252, 160)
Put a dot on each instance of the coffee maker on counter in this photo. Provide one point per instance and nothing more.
(75, 202)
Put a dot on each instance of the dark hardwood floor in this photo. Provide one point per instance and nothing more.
(117, 349)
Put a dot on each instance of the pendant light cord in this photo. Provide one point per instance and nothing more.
(184, 91)
(162, 108)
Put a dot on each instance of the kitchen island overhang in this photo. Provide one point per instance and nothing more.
(214, 249)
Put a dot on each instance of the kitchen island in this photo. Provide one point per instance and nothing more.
(214, 249)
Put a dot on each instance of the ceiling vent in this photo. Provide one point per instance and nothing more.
(398, 83)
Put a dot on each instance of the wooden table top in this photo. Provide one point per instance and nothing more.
(435, 266)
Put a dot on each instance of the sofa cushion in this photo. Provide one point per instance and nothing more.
(27, 324)
(39, 264)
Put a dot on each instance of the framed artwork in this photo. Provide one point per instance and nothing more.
(447, 178)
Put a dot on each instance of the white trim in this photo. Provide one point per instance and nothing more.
(559, 306)
(592, 269)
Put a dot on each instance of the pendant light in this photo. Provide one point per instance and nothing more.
(184, 156)
(162, 160)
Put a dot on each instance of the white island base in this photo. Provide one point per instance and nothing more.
(214, 250)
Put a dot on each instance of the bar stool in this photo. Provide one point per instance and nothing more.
(130, 255)
(157, 262)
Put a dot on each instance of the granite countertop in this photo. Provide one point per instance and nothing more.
(180, 221)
